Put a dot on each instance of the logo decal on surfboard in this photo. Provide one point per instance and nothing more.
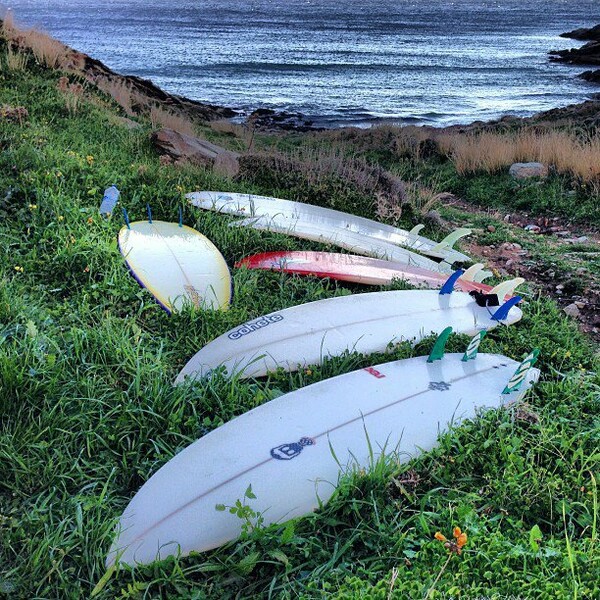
(289, 451)
(254, 326)
(439, 386)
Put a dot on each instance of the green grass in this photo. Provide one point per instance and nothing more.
(88, 411)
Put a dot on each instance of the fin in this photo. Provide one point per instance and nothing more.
(126, 218)
(448, 286)
(180, 216)
(437, 352)
(517, 379)
(149, 210)
(470, 273)
(451, 239)
(416, 229)
(506, 288)
(471, 351)
(481, 275)
(503, 311)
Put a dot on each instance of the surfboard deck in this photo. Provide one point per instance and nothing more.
(314, 229)
(176, 264)
(252, 205)
(293, 450)
(350, 267)
(302, 335)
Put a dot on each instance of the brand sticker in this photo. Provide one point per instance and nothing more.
(289, 451)
(373, 371)
(440, 386)
(253, 326)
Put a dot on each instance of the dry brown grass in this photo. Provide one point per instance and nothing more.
(120, 91)
(47, 51)
(72, 94)
(490, 152)
(164, 118)
(15, 61)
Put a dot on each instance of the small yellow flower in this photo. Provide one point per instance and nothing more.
(59, 174)
(90, 220)
(308, 372)
(19, 269)
(90, 159)
(32, 206)
(61, 218)
(568, 354)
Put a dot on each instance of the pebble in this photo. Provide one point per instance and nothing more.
(491, 228)
(532, 228)
(571, 310)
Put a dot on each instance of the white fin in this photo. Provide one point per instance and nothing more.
(507, 288)
(470, 273)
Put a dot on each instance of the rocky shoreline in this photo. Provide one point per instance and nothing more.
(588, 54)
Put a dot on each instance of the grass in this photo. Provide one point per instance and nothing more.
(88, 412)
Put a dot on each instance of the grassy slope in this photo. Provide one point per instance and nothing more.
(88, 411)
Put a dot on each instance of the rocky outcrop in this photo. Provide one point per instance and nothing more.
(584, 34)
(591, 76)
(180, 148)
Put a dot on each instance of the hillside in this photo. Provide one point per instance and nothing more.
(87, 358)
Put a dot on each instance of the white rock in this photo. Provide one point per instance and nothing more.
(530, 169)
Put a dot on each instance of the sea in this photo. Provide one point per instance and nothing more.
(338, 62)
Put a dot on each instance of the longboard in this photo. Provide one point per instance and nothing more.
(306, 334)
(290, 452)
(176, 264)
(358, 269)
(251, 205)
(313, 228)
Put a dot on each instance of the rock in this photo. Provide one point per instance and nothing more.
(533, 228)
(580, 304)
(16, 114)
(572, 310)
(588, 54)
(491, 228)
(530, 169)
(583, 34)
(185, 148)
(590, 76)
(507, 218)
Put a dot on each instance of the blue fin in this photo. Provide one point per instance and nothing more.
(149, 213)
(437, 352)
(503, 311)
(180, 216)
(448, 286)
(126, 217)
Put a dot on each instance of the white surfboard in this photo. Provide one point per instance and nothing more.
(292, 450)
(176, 264)
(252, 205)
(303, 335)
(311, 227)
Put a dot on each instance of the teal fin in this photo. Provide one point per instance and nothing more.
(448, 242)
(517, 379)
(473, 347)
(507, 288)
(470, 273)
(437, 351)
(416, 229)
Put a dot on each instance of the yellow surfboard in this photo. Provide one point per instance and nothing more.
(176, 264)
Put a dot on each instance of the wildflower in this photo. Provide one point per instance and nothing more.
(59, 174)
(90, 159)
(87, 269)
(90, 220)
(307, 372)
(568, 354)
(19, 269)
(61, 218)
(456, 545)
(32, 206)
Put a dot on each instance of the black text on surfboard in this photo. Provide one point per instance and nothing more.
(254, 326)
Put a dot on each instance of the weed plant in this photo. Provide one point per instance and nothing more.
(88, 411)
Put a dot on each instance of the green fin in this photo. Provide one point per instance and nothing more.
(471, 351)
(437, 351)
(416, 229)
(506, 288)
(451, 239)
(470, 273)
(517, 379)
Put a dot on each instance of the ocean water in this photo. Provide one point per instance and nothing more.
(339, 62)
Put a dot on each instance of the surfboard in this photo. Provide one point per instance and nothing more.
(314, 228)
(284, 458)
(176, 264)
(253, 206)
(304, 335)
(357, 269)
